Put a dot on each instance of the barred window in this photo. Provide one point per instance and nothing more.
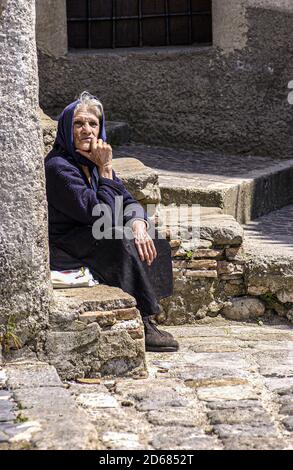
(97, 24)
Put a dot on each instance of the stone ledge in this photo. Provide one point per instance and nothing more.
(100, 297)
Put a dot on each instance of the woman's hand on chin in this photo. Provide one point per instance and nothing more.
(100, 153)
(144, 244)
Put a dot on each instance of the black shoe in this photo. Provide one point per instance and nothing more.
(157, 340)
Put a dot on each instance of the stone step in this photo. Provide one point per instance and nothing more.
(245, 187)
(95, 331)
(118, 133)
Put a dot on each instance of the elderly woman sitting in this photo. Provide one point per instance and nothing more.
(80, 181)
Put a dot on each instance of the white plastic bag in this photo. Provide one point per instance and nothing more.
(81, 277)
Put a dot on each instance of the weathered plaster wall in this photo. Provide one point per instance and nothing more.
(24, 277)
(231, 97)
(51, 27)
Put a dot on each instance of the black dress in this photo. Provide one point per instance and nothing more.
(116, 262)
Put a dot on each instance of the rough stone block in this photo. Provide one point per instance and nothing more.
(228, 268)
(243, 308)
(201, 274)
(221, 230)
(234, 290)
(127, 314)
(208, 253)
(195, 264)
(234, 253)
(140, 181)
(100, 317)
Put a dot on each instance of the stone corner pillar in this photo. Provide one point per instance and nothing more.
(51, 27)
(25, 288)
(229, 25)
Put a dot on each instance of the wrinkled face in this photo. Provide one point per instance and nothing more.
(86, 126)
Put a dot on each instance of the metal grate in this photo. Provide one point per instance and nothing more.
(137, 23)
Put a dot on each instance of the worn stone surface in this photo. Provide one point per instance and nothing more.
(100, 297)
(24, 269)
(192, 297)
(45, 415)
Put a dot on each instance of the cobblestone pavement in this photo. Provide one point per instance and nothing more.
(229, 387)
(272, 233)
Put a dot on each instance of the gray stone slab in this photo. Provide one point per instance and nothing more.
(287, 409)
(278, 384)
(3, 378)
(288, 423)
(175, 417)
(255, 443)
(236, 392)
(240, 416)
(176, 438)
(6, 416)
(232, 404)
(32, 375)
(227, 431)
(3, 437)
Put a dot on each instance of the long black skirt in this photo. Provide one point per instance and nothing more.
(116, 262)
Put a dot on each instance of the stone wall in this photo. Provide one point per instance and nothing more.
(25, 290)
(216, 274)
(231, 97)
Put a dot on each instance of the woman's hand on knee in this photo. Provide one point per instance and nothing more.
(144, 244)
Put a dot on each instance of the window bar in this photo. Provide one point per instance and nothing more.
(136, 17)
(140, 22)
(190, 22)
(167, 22)
(89, 28)
(113, 24)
